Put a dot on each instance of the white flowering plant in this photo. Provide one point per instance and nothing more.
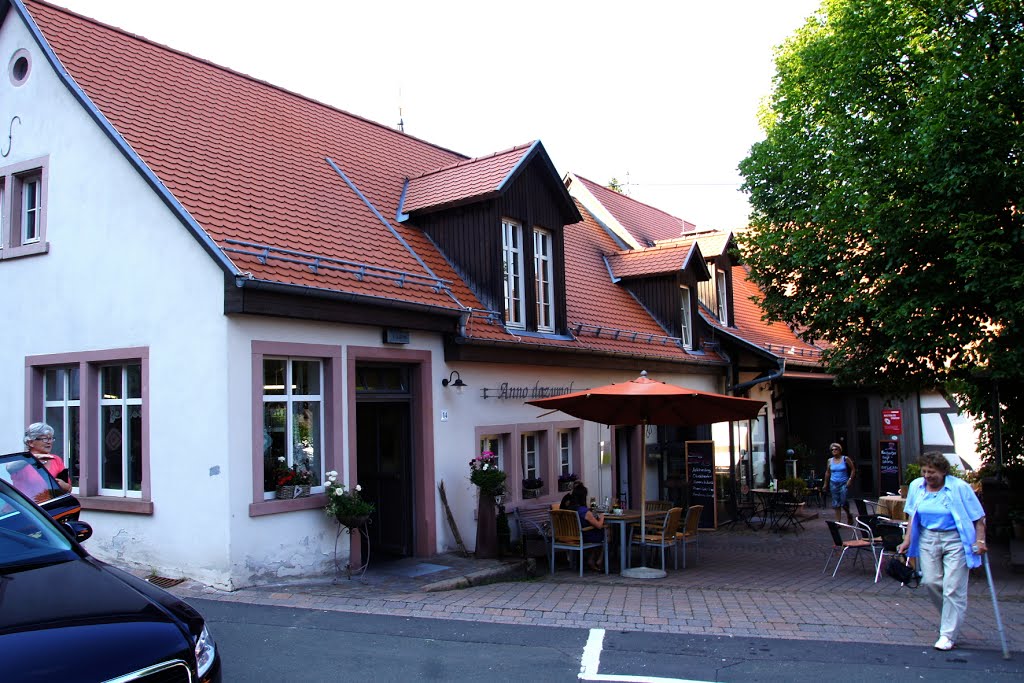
(345, 503)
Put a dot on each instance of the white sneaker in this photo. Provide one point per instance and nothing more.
(944, 643)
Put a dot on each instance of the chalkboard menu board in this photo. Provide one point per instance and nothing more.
(700, 475)
(888, 467)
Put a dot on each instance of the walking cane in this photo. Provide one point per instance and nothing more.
(995, 607)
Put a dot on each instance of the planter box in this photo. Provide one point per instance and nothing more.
(289, 492)
(531, 493)
(566, 485)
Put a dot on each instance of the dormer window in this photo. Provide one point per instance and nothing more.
(512, 256)
(721, 291)
(686, 327)
(543, 266)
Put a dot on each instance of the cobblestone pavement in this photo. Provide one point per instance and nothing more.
(744, 583)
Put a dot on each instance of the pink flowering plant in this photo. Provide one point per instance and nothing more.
(485, 473)
(345, 503)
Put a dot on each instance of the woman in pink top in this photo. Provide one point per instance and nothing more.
(39, 440)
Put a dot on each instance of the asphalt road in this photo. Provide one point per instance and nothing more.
(260, 643)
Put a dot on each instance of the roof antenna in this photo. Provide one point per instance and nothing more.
(401, 121)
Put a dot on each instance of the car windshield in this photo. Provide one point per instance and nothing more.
(29, 476)
(27, 535)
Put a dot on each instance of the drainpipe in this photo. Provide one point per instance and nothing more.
(759, 380)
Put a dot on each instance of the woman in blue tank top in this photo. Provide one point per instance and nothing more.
(839, 473)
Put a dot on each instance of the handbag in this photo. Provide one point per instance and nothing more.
(899, 569)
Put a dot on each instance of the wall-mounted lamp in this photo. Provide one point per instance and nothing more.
(454, 380)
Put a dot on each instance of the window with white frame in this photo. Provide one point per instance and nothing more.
(292, 421)
(531, 456)
(720, 295)
(512, 263)
(62, 411)
(22, 209)
(564, 453)
(686, 321)
(543, 267)
(120, 430)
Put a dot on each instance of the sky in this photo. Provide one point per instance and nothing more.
(663, 96)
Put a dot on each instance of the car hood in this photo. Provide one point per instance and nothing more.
(74, 620)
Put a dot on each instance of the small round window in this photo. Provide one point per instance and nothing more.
(21, 66)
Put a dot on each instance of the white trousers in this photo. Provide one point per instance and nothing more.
(945, 574)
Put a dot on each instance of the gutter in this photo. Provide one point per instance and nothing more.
(349, 297)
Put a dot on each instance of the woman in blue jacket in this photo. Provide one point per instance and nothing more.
(947, 533)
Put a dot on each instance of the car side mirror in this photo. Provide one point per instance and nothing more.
(80, 530)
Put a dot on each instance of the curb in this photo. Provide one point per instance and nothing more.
(477, 578)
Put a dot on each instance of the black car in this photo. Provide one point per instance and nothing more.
(46, 492)
(66, 616)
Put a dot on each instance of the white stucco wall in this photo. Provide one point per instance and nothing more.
(121, 272)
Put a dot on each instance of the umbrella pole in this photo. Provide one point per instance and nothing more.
(643, 572)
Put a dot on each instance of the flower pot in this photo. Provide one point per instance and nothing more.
(531, 493)
(289, 492)
(566, 485)
(353, 522)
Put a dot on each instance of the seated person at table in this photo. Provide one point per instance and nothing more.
(567, 503)
(589, 519)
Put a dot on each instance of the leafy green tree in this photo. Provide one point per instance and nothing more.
(887, 197)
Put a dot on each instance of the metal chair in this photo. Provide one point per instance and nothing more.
(689, 533)
(858, 544)
(567, 534)
(660, 537)
(891, 535)
(788, 509)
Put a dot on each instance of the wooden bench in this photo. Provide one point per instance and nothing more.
(533, 523)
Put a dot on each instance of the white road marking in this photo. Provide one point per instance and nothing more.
(590, 662)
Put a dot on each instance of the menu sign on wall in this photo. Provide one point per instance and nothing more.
(888, 466)
(700, 475)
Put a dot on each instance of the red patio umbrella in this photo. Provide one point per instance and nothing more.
(645, 401)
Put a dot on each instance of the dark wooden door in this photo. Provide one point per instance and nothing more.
(385, 471)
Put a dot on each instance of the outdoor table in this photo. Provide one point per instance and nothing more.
(768, 500)
(624, 520)
(892, 507)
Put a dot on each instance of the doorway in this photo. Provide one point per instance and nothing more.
(384, 456)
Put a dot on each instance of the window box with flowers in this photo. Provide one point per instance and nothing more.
(532, 487)
(293, 482)
(567, 481)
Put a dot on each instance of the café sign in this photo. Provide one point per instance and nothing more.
(524, 392)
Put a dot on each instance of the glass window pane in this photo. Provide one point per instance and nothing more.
(134, 446)
(53, 381)
(134, 377)
(110, 381)
(73, 391)
(273, 376)
(306, 377)
(111, 440)
(275, 424)
(306, 436)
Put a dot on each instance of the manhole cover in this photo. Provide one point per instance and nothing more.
(163, 581)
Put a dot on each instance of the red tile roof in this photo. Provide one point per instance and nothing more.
(645, 223)
(297, 192)
(776, 338)
(667, 257)
(248, 161)
(606, 316)
(465, 181)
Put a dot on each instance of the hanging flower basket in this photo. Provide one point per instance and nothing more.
(289, 492)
